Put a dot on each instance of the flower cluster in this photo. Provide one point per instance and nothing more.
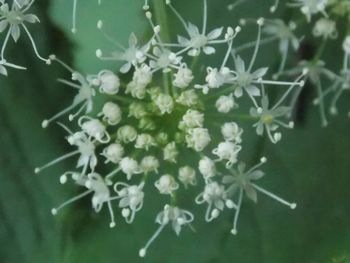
(145, 127)
(159, 108)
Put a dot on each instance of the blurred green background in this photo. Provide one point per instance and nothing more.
(311, 165)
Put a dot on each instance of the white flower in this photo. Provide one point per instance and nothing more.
(127, 134)
(149, 164)
(183, 77)
(84, 98)
(111, 113)
(86, 148)
(141, 78)
(132, 55)
(187, 176)
(268, 119)
(170, 152)
(171, 214)
(101, 191)
(325, 28)
(129, 167)
(198, 138)
(164, 60)
(131, 199)
(14, 19)
(138, 92)
(144, 141)
(94, 128)
(107, 82)
(188, 98)
(311, 7)
(215, 196)
(166, 184)
(242, 181)
(142, 75)
(192, 119)
(101, 194)
(277, 28)
(113, 153)
(232, 132)
(225, 103)
(162, 138)
(227, 151)
(247, 80)
(207, 168)
(137, 110)
(216, 78)
(165, 103)
(200, 40)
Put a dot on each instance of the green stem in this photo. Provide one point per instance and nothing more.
(166, 83)
(320, 51)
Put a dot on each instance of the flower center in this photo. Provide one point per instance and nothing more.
(199, 41)
(267, 119)
(244, 79)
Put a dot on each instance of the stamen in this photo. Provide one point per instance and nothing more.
(54, 211)
(74, 22)
(321, 107)
(72, 116)
(154, 27)
(47, 61)
(346, 62)
(109, 37)
(143, 251)
(275, 6)
(208, 216)
(289, 125)
(253, 100)
(7, 64)
(273, 196)
(29, 5)
(235, 220)
(112, 174)
(182, 20)
(54, 58)
(252, 44)
(333, 108)
(284, 59)
(298, 82)
(5, 44)
(227, 53)
(66, 156)
(205, 17)
(272, 139)
(46, 123)
(68, 83)
(146, 5)
(65, 128)
(260, 23)
(231, 7)
(262, 161)
(112, 223)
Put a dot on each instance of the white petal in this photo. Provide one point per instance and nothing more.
(215, 33)
(209, 50)
(15, 33)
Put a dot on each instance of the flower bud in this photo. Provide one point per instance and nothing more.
(111, 113)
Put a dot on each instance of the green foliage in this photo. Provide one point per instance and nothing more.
(310, 166)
